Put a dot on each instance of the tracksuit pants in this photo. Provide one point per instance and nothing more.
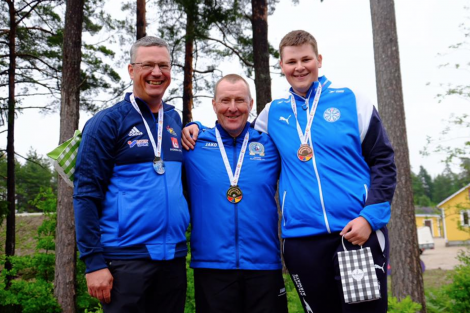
(145, 286)
(239, 291)
(313, 265)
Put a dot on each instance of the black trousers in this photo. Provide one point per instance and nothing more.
(313, 265)
(239, 291)
(145, 286)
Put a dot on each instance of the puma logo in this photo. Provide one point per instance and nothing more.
(282, 118)
(380, 267)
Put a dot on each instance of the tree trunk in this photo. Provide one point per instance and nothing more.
(188, 66)
(141, 20)
(259, 23)
(404, 257)
(10, 220)
(65, 264)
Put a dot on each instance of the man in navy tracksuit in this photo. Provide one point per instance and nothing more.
(231, 176)
(130, 212)
(338, 178)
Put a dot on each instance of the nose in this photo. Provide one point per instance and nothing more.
(232, 106)
(299, 66)
(156, 70)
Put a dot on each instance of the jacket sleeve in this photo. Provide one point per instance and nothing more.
(378, 153)
(93, 170)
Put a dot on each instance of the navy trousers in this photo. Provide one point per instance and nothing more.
(145, 286)
(313, 265)
(239, 291)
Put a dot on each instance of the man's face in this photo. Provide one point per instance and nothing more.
(150, 84)
(300, 65)
(232, 106)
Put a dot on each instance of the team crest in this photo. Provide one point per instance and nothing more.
(171, 131)
(174, 142)
(331, 115)
(256, 148)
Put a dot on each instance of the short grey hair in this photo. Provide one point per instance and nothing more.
(147, 41)
(232, 78)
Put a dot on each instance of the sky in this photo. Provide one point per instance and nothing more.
(426, 29)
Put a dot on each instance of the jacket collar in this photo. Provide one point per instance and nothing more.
(225, 135)
(311, 91)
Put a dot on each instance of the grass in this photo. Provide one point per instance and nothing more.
(26, 233)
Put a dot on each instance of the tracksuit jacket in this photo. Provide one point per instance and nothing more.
(233, 236)
(123, 208)
(352, 172)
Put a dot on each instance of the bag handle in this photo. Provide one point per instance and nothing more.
(342, 241)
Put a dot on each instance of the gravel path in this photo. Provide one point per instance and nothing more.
(441, 256)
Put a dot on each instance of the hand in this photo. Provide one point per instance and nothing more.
(100, 284)
(189, 136)
(357, 231)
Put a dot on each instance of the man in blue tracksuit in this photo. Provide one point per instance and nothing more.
(231, 176)
(338, 178)
(130, 212)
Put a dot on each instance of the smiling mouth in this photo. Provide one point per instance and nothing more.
(233, 117)
(154, 83)
(301, 75)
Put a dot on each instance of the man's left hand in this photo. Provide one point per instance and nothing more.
(357, 231)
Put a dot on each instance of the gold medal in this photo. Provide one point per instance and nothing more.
(234, 194)
(305, 153)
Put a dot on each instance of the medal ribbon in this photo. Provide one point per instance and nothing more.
(157, 149)
(233, 178)
(304, 137)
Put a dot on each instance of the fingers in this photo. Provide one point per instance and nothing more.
(188, 138)
(357, 231)
(346, 229)
(100, 284)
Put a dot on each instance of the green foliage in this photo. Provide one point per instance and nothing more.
(459, 290)
(293, 300)
(405, 306)
(32, 289)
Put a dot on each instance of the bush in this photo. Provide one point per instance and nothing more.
(459, 290)
(404, 306)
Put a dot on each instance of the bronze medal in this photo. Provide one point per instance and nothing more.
(305, 153)
(234, 194)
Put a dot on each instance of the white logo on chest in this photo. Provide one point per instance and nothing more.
(282, 118)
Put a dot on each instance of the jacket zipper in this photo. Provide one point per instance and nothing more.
(327, 224)
(367, 192)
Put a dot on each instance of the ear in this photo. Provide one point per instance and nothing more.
(130, 69)
(251, 105)
(319, 58)
(214, 106)
(282, 67)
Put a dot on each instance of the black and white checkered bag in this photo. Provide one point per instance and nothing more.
(358, 278)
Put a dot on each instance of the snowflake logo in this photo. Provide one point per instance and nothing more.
(331, 115)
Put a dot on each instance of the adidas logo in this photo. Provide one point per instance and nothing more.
(135, 132)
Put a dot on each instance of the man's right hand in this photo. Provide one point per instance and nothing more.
(189, 136)
(100, 284)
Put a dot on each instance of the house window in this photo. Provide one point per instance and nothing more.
(465, 217)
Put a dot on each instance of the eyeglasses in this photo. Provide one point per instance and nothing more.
(149, 66)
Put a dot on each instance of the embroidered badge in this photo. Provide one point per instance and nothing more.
(174, 142)
(331, 115)
(139, 143)
(256, 148)
(171, 131)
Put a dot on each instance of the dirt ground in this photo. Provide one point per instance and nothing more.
(441, 257)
